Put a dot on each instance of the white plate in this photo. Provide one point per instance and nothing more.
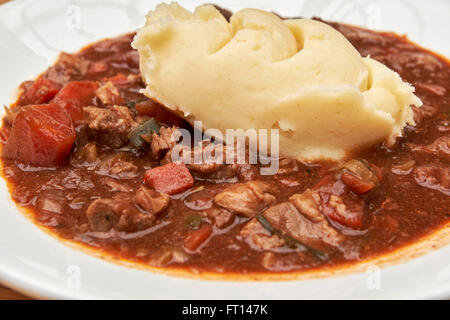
(31, 261)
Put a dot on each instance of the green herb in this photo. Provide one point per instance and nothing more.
(193, 221)
(290, 241)
(146, 128)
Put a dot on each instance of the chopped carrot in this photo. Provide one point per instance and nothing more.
(42, 90)
(197, 237)
(170, 178)
(74, 96)
(41, 135)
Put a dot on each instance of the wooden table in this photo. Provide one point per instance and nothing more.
(9, 294)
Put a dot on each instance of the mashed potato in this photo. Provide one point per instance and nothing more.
(258, 71)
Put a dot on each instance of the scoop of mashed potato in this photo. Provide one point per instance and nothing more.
(258, 71)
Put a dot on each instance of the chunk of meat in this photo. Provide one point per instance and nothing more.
(117, 119)
(85, 156)
(308, 204)
(101, 215)
(214, 171)
(41, 135)
(105, 214)
(287, 218)
(124, 170)
(118, 167)
(111, 124)
(222, 218)
(205, 161)
(74, 96)
(205, 169)
(209, 164)
(259, 238)
(108, 94)
(68, 67)
(151, 201)
(165, 140)
(246, 198)
(115, 185)
(170, 178)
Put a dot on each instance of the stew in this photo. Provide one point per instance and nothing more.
(88, 155)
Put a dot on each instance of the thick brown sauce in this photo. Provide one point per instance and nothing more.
(397, 213)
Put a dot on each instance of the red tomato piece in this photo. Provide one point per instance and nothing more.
(74, 96)
(170, 178)
(357, 185)
(196, 238)
(42, 90)
(41, 135)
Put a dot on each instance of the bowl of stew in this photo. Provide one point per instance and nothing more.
(93, 207)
